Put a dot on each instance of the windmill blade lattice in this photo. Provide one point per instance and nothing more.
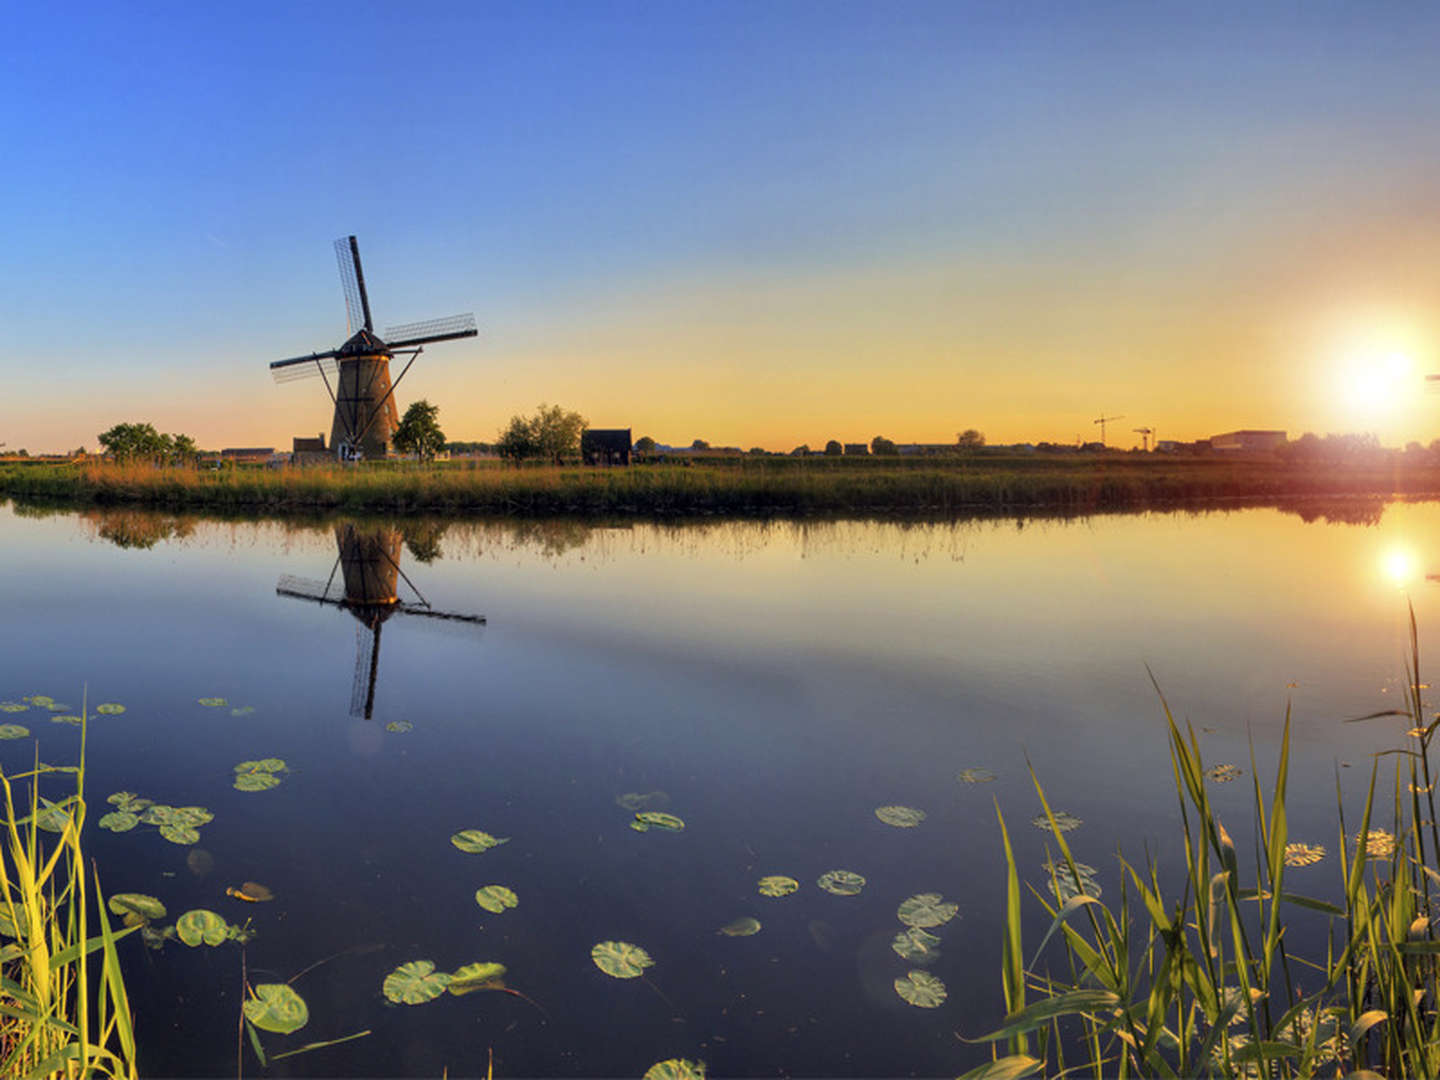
(355, 304)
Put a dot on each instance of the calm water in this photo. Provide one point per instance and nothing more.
(777, 682)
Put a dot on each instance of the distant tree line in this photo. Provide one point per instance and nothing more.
(552, 435)
(141, 442)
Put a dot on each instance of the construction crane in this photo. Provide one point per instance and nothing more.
(1145, 433)
(1101, 420)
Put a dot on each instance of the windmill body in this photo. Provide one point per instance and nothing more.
(363, 394)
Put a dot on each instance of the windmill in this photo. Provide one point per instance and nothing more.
(1101, 419)
(1145, 433)
(364, 397)
(369, 565)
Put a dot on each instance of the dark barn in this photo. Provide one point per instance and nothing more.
(605, 446)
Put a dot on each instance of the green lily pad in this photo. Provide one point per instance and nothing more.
(741, 927)
(264, 765)
(841, 882)
(213, 702)
(109, 709)
(13, 706)
(1065, 886)
(242, 710)
(400, 726)
(926, 910)
(776, 885)
(495, 898)
(480, 976)
(676, 1069)
(1223, 774)
(159, 814)
(474, 841)
(916, 945)
(13, 731)
(656, 819)
(119, 821)
(147, 907)
(52, 818)
(255, 781)
(200, 925)
(921, 989)
(902, 817)
(55, 706)
(43, 701)
(415, 983)
(975, 776)
(1064, 822)
(194, 816)
(67, 718)
(276, 1007)
(620, 959)
(128, 800)
(180, 834)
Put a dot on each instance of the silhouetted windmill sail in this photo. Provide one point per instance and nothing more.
(365, 416)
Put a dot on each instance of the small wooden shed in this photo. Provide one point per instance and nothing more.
(605, 446)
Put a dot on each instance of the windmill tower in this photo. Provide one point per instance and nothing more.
(363, 395)
(369, 566)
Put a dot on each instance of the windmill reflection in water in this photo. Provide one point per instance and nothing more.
(367, 586)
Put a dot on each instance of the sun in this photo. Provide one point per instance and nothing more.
(1375, 381)
(1399, 567)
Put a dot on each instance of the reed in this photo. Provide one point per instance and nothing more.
(1206, 982)
(63, 1007)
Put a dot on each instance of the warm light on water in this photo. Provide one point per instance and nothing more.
(1400, 567)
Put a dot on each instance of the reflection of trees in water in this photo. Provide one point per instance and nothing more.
(1352, 511)
(422, 539)
(138, 528)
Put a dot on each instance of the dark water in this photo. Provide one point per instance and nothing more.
(777, 681)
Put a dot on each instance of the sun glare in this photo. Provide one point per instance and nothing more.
(1375, 381)
(1399, 567)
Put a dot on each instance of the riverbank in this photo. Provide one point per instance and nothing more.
(934, 488)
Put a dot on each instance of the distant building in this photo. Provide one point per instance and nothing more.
(857, 449)
(605, 446)
(309, 446)
(247, 453)
(1247, 440)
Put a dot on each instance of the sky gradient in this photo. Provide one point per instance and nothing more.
(753, 223)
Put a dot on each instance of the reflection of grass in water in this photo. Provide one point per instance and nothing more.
(1153, 982)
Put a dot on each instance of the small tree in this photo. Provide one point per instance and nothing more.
(833, 448)
(127, 442)
(183, 449)
(699, 444)
(552, 433)
(970, 439)
(419, 431)
(516, 442)
(644, 445)
(881, 445)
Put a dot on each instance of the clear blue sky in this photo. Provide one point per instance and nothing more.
(750, 222)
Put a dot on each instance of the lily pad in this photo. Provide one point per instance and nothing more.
(180, 834)
(474, 841)
(42, 701)
(252, 891)
(255, 781)
(67, 718)
(415, 983)
(777, 885)
(921, 989)
(55, 706)
(744, 926)
(926, 910)
(278, 1008)
(13, 706)
(676, 1069)
(916, 945)
(52, 818)
(1379, 843)
(264, 765)
(159, 814)
(1065, 886)
(1064, 822)
(213, 702)
(480, 976)
(201, 926)
(841, 882)
(119, 821)
(495, 898)
(649, 800)
(620, 959)
(1223, 774)
(975, 776)
(400, 726)
(243, 710)
(902, 817)
(128, 800)
(13, 731)
(194, 816)
(110, 708)
(1303, 854)
(656, 819)
(147, 907)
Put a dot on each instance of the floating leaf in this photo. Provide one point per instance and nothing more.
(1063, 822)
(841, 882)
(777, 885)
(921, 989)
(55, 706)
(52, 818)
(902, 817)
(255, 781)
(495, 898)
(916, 945)
(200, 925)
(128, 800)
(276, 1007)
(400, 726)
(67, 718)
(480, 976)
(1303, 854)
(13, 706)
(13, 731)
(264, 765)
(213, 702)
(975, 776)
(1065, 886)
(193, 815)
(243, 710)
(180, 834)
(620, 959)
(110, 709)
(41, 700)
(252, 891)
(741, 927)
(159, 814)
(474, 841)
(656, 819)
(147, 907)
(415, 983)
(1379, 844)
(119, 821)
(925, 910)
(676, 1069)
(1223, 774)
(650, 800)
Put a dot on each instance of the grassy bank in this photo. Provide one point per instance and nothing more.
(767, 486)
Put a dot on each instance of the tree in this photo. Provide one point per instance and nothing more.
(881, 445)
(833, 448)
(644, 445)
(127, 442)
(419, 431)
(757, 451)
(184, 449)
(803, 450)
(970, 439)
(552, 433)
(699, 444)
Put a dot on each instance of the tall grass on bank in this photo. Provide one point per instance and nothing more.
(1206, 982)
(774, 485)
(63, 1007)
